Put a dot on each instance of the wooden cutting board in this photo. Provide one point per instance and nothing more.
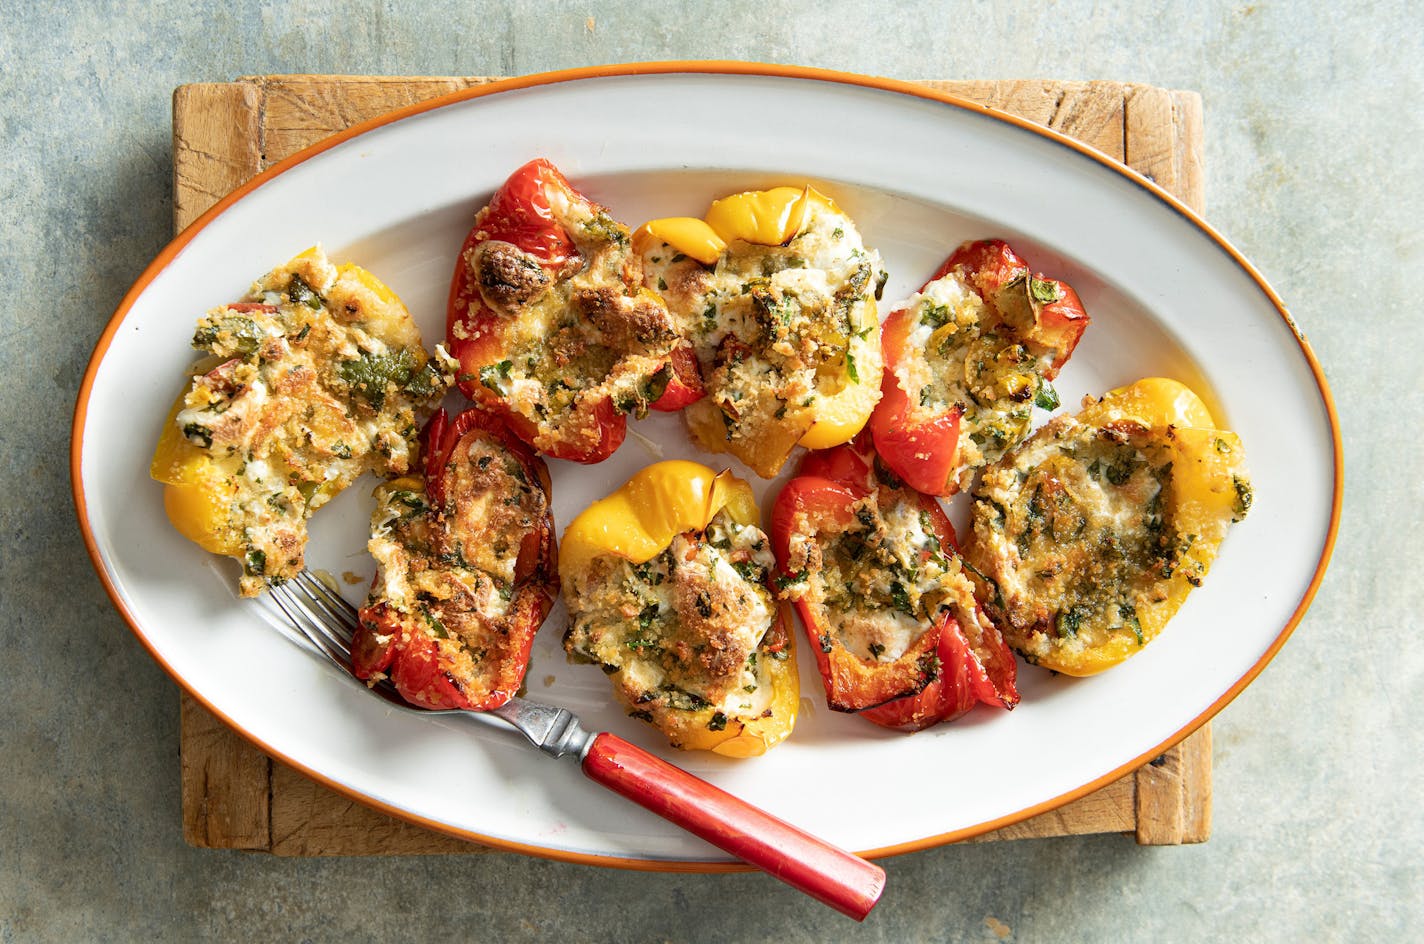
(235, 797)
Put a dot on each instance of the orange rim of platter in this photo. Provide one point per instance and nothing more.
(713, 67)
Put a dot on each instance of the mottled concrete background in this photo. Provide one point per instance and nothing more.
(1313, 129)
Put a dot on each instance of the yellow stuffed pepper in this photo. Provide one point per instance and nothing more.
(776, 294)
(1089, 536)
(666, 583)
(317, 376)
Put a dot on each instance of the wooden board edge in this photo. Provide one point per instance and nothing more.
(1163, 131)
(217, 144)
(310, 820)
(1162, 140)
(225, 784)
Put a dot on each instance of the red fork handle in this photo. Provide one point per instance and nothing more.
(847, 883)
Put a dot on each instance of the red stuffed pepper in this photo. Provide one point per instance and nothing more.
(873, 570)
(966, 360)
(466, 569)
(551, 325)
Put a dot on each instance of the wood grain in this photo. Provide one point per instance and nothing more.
(234, 797)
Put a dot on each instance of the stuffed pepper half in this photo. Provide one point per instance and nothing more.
(776, 293)
(316, 377)
(1090, 535)
(872, 568)
(465, 569)
(551, 325)
(667, 586)
(966, 360)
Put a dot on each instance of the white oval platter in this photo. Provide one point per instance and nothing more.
(920, 174)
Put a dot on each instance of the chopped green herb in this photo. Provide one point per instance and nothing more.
(492, 375)
(409, 499)
(1067, 622)
(900, 599)
(1128, 612)
(199, 434)
(936, 316)
(242, 333)
(657, 384)
(370, 375)
(425, 382)
(300, 293)
(1044, 291)
(1243, 497)
(1046, 398)
(608, 229)
(437, 628)
(1119, 472)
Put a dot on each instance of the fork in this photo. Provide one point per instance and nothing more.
(831, 875)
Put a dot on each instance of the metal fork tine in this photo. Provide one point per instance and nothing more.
(324, 627)
(334, 602)
(336, 617)
(300, 617)
(319, 620)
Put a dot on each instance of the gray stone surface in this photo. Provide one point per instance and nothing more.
(1314, 129)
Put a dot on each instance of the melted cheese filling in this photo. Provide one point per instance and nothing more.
(883, 580)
